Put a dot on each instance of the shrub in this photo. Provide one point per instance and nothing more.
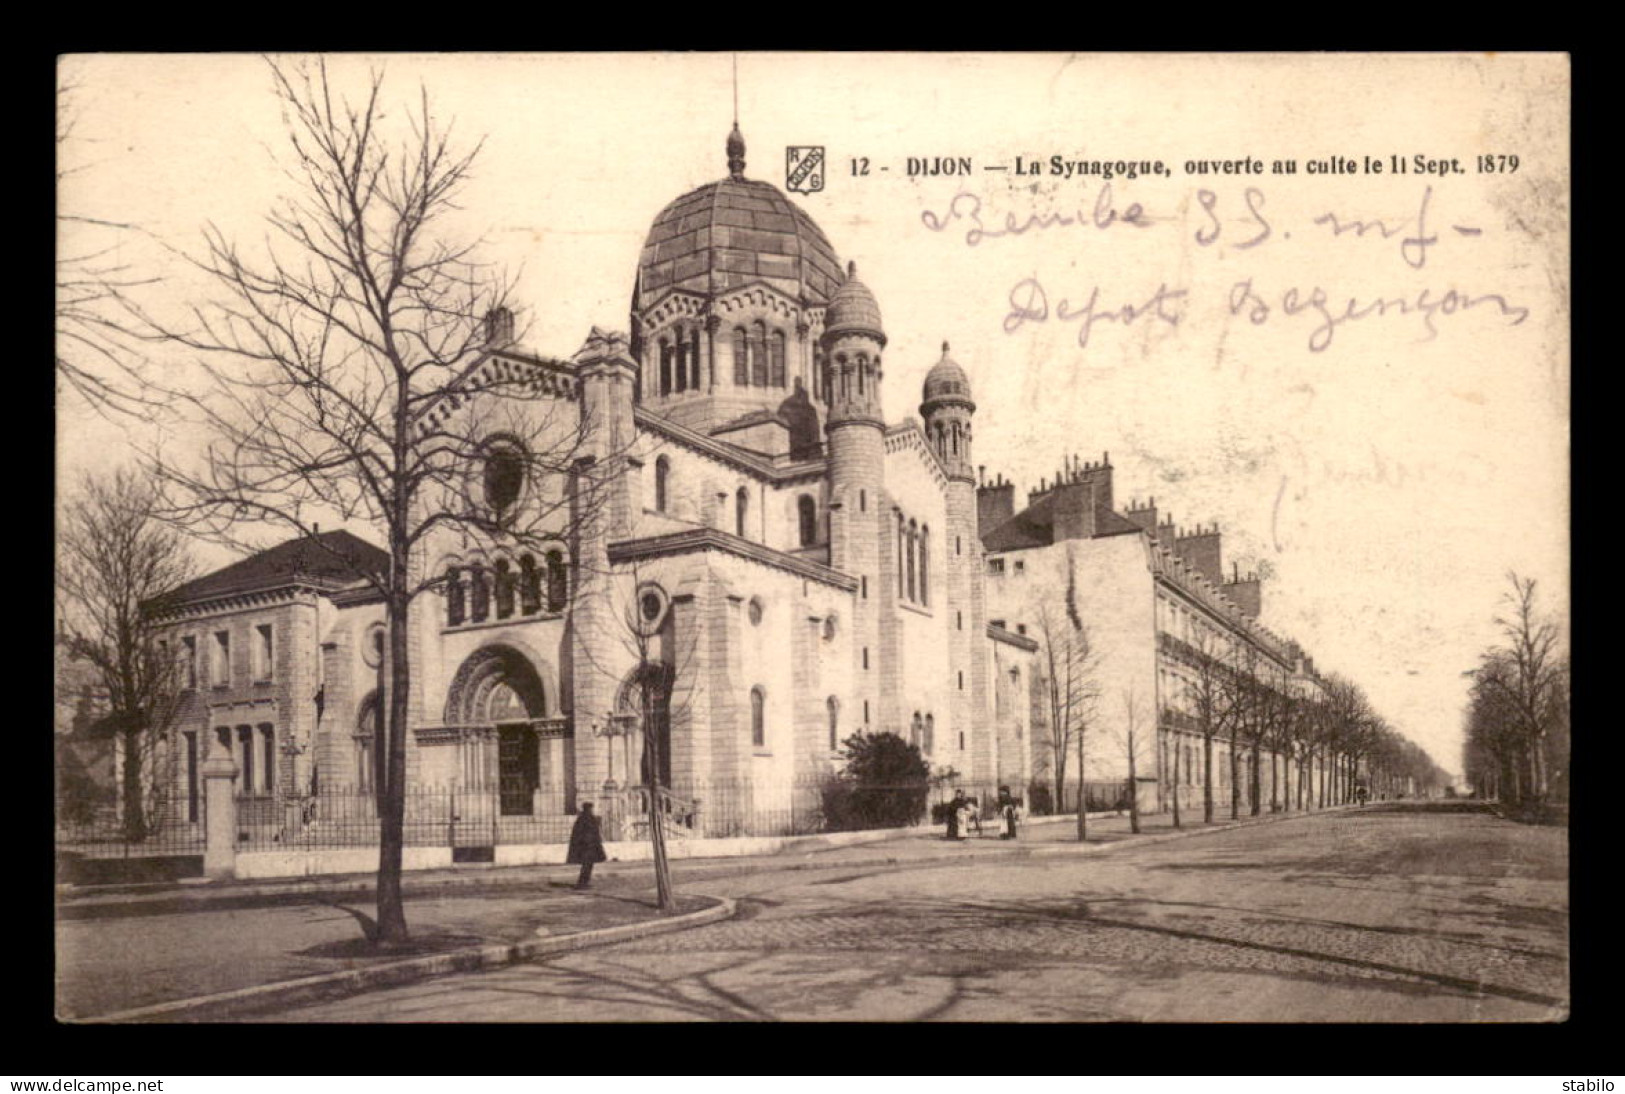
(884, 784)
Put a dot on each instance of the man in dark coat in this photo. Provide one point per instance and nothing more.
(586, 845)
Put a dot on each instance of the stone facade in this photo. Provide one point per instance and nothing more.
(744, 526)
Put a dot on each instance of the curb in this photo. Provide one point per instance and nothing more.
(335, 985)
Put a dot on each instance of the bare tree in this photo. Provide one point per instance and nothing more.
(631, 627)
(1213, 694)
(97, 355)
(116, 564)
(1068, 687)
(1128, 737)
(350, 378)
(1532, 677)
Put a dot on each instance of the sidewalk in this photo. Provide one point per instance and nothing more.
(137, 946)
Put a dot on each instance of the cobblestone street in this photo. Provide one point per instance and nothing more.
(1388, 914)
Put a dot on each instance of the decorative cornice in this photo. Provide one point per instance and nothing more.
(711, 539)
(264, 594)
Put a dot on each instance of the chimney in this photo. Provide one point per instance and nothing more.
(1247, 592)
(1074, 510)
(1201, 552)
(498, 328)
(1143, 515)
(995, 504)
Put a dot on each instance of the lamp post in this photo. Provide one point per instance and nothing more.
(614, 725)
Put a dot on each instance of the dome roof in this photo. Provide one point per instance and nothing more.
(853, 308)
(946, 379)
(732, 232)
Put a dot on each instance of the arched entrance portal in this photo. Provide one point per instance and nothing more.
(497, 697)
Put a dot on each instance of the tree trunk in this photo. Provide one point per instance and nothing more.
(1207, 778)
(1083, 796)
(1133, 791)
(135, 813)
(1235, 779)
(1275, 797)
(664, 899)
(392, 930)
(1176, 783)
(1254, 783)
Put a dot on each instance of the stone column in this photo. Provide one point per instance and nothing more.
(220, 815)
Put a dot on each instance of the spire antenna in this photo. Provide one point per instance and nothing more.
(736, 140)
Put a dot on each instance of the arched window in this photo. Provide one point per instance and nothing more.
(925, 565)
(930, 735)
(863, 368)
(679, 361)
(913, 539)
(777, 363)
(741, 359)
(504, 477)
(662, 479)
(916, 732)
(456, 603)
(807, 511)
(758, 717)
(758, 354)
(694, 359)
(665, 367)
(481, 606)
(530, 586)
(834, 706)
(902, 534)
(366, 736)
(741, 512)
(504, 589)
(557, 582)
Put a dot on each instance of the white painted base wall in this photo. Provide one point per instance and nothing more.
(363, 860)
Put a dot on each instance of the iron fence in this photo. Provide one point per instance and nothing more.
(463, 818)
(107, 830)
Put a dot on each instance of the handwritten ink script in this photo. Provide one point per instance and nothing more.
(1242, 225)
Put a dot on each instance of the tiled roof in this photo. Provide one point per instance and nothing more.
(330, 560)
(730, 233)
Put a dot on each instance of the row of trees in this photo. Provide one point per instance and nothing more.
(1517, 720)
(1316, 745)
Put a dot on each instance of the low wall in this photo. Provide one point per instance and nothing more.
(361, 860)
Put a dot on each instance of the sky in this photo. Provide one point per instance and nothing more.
(1362, 378)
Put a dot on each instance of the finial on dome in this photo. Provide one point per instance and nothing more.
(736, 153)
(851, 269)
(945, 347)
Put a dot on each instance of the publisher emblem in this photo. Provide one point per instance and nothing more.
(804, 168)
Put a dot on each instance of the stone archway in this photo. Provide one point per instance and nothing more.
(497, 698)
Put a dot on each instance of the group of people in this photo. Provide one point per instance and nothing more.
(964, 815)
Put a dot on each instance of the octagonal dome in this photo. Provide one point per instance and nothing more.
(853, 308)
(946, 380)
(732, 232)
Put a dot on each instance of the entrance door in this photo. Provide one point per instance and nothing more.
(518, 761)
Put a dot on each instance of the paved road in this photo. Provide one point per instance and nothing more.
(1387, 915)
